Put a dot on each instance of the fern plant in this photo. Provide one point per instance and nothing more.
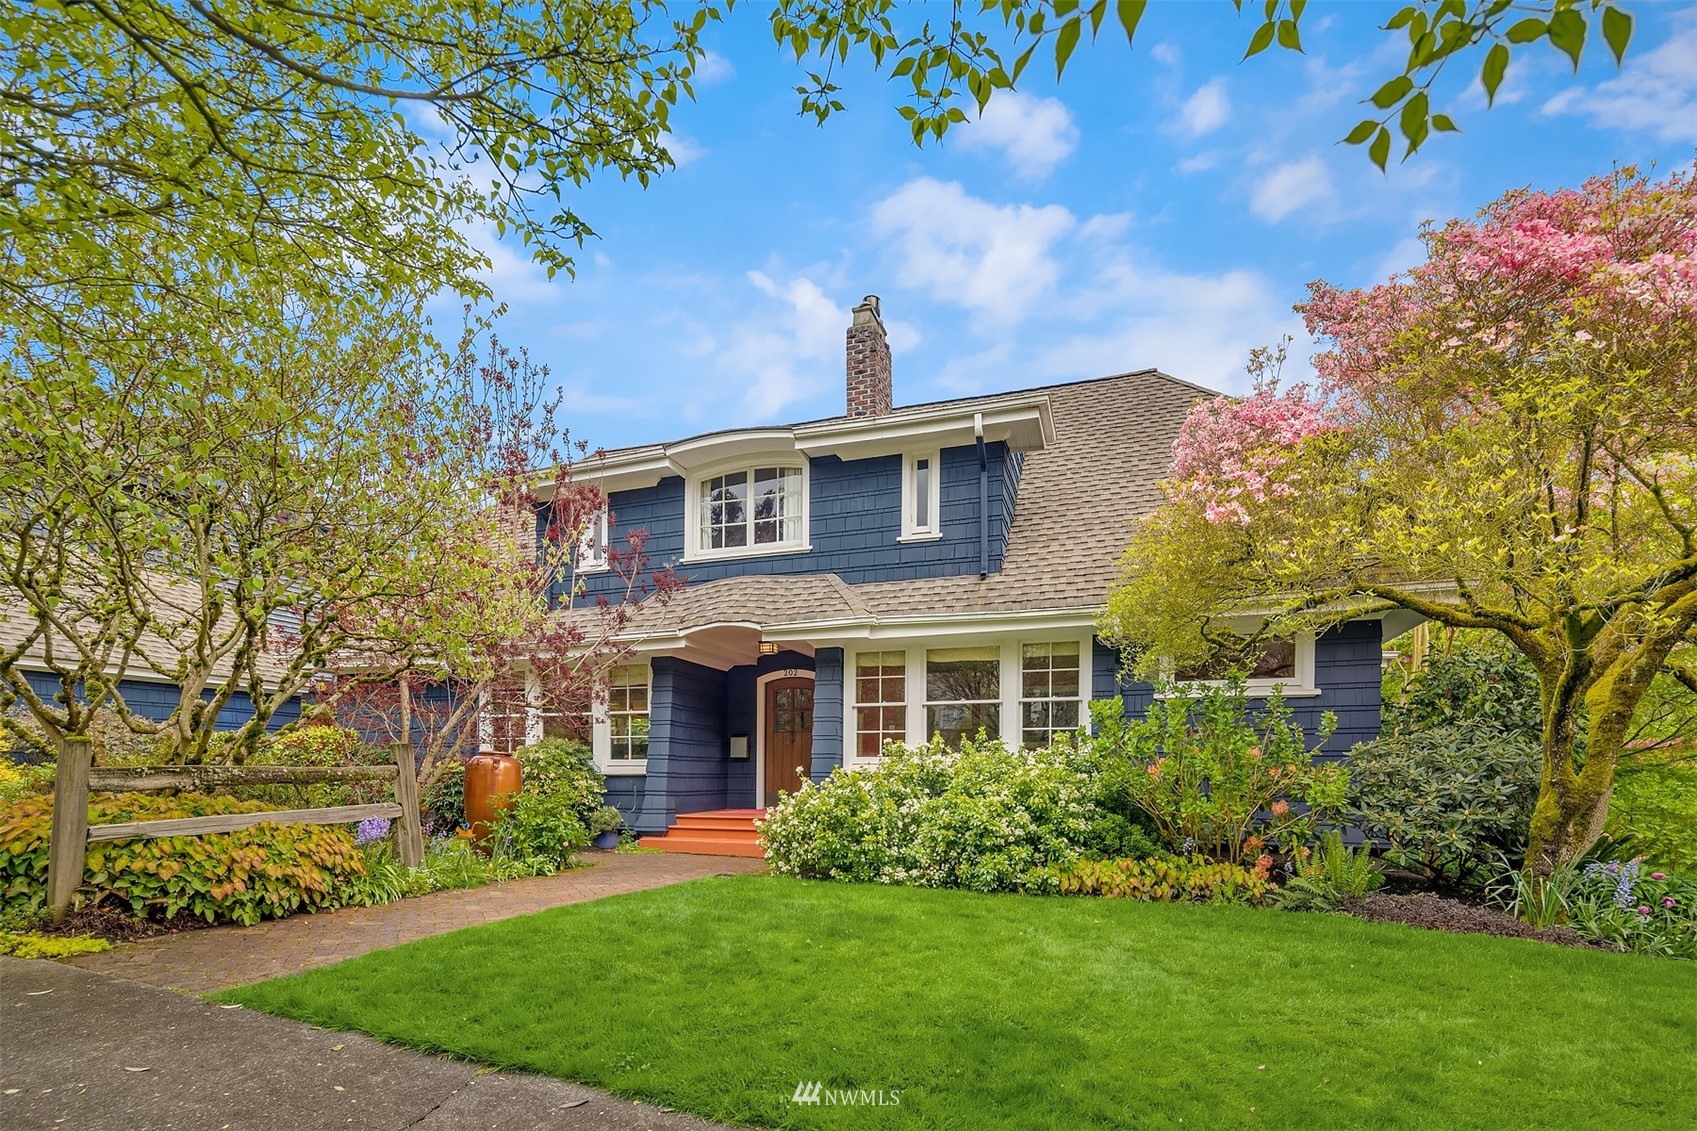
(1330, 873)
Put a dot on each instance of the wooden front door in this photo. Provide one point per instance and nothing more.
(788, 747)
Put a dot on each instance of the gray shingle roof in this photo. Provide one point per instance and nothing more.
(1072, 518)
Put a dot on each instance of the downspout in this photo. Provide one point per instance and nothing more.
(983, 499)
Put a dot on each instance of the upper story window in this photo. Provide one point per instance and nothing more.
(920, 497)
(592, 543)
(749, 510)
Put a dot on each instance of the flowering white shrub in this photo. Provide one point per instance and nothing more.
(982, 817)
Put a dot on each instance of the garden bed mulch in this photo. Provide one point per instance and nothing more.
(1439, 913)
(120, 927)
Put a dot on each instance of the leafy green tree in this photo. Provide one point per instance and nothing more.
(1504, 439)
(964, 58)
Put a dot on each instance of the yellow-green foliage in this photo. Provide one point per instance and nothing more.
(266, 871)
(49, 946)
(20, 781)
(1164, 880)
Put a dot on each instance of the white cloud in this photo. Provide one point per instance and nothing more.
(993, 260)
(1408, 253)
(1098, 304)
(1201, 163)
(712, 69)
(1656, 92)
(1166, 54)
(1107, 226)
(1206, 110)
(684, 150)
(1291, 186)
(783, 350)
(1032, 135)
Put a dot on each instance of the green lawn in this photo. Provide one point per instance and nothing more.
(719, 996)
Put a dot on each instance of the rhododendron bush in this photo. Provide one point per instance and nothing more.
(1502, 438)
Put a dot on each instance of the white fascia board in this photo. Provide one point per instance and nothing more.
(1024, 425)
(953, 625)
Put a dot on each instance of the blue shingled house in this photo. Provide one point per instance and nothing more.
(893, 573)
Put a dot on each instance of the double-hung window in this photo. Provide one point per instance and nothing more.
(621, 731)
(880, 701)
(1049, 699)
(750, 508)
(963, 693)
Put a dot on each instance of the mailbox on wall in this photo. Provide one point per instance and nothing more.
(739, 746)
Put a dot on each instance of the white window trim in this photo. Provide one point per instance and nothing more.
(911, 530)
(1300, 685)
(694, 551)
(601, 734)
(1009, 652)
(597, 533)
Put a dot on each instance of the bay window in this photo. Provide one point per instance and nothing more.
(749, 509)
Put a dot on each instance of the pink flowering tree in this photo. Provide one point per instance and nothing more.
(1502, 438)
(494, 628)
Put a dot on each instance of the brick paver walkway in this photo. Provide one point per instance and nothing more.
(203, 962)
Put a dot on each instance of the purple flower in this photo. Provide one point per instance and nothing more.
(1645, 911)
(1658, 875)
(1623, 888)
(370, 830)
(1667, 901)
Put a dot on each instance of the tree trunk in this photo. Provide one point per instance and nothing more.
(1573, 801)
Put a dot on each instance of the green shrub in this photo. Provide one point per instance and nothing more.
(1215, 777)
(49, 946)
(266, 871)
(1164, 879)
(564, 771)
(318, 744)
(1478, 684)
(1448, 801)
(1653, 811)
(1451, 783)
(537, 826)
(1329, 873)
(981, 817)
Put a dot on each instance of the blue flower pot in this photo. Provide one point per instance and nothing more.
(609, 840)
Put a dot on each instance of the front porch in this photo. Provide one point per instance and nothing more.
(727, 730)
(715, 832)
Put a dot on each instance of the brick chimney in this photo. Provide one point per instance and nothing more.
(868, 361)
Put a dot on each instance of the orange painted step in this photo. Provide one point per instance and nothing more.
(730, 826)
(703, 845)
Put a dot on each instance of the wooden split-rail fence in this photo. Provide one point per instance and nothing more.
(77, 777)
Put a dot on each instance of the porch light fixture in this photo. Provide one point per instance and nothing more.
(768, 648)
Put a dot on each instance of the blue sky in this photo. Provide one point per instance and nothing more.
(1163, 206)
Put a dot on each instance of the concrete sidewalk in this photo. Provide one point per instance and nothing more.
(84, 1050)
